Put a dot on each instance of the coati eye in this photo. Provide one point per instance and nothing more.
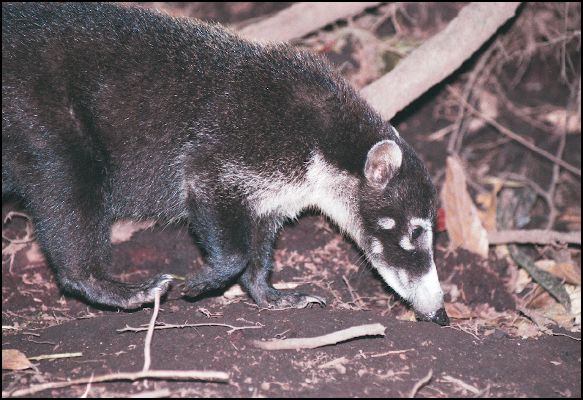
(418, 231)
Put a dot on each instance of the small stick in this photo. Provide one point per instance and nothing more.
(388, 353)
(150, 334)
(357, 300)
(325, 340)
(211, 376)
(172, 326)
(55, 356)
(538, 236)
(421, 383)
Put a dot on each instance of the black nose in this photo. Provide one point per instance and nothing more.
(440, 317)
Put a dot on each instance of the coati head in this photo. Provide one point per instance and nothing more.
(398, 206)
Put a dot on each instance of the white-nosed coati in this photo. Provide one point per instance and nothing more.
(112, 112)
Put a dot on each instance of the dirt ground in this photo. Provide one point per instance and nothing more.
(508, 337)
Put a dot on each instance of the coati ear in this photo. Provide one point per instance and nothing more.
(382, 162)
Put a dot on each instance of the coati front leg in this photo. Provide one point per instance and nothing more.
(257, 276)
(237, 246)
(221, 227)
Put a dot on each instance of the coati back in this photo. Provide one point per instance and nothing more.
(112, 112)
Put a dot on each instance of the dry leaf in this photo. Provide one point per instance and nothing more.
(527, 329)
(15, 360)
(407, 315)
(543, 305)
(523, 278)
(567, 272)
(575, 295)
(540, 299)
(488, 203)
(458, 311)
(461, 215)
(489, 313)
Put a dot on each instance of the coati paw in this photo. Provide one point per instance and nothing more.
(278, 299)
(146, 292)
(194, 287)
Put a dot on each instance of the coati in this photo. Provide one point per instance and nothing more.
(111, 112)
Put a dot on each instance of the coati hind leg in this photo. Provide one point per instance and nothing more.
(256, 278)
(73, 228)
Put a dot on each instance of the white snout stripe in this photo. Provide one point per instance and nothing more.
(406, 244)
(424, 294)
(376, 246)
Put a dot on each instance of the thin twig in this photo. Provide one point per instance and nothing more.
(172, 326)
(505, 131)
(355, 298)
(556, 174)
(389, 353)
(54, 356)
(325, 340)
(210, 376)
(456, 139)
(422, 382)
(565, 335)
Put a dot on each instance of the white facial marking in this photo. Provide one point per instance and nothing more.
(386, 223)
(392, 278)
(376, 246)
(406, 244)
(428, 296)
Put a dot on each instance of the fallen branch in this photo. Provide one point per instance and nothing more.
(325, 340)
(538, 236)
(302, 18)
(209, 376)
(428, 65)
